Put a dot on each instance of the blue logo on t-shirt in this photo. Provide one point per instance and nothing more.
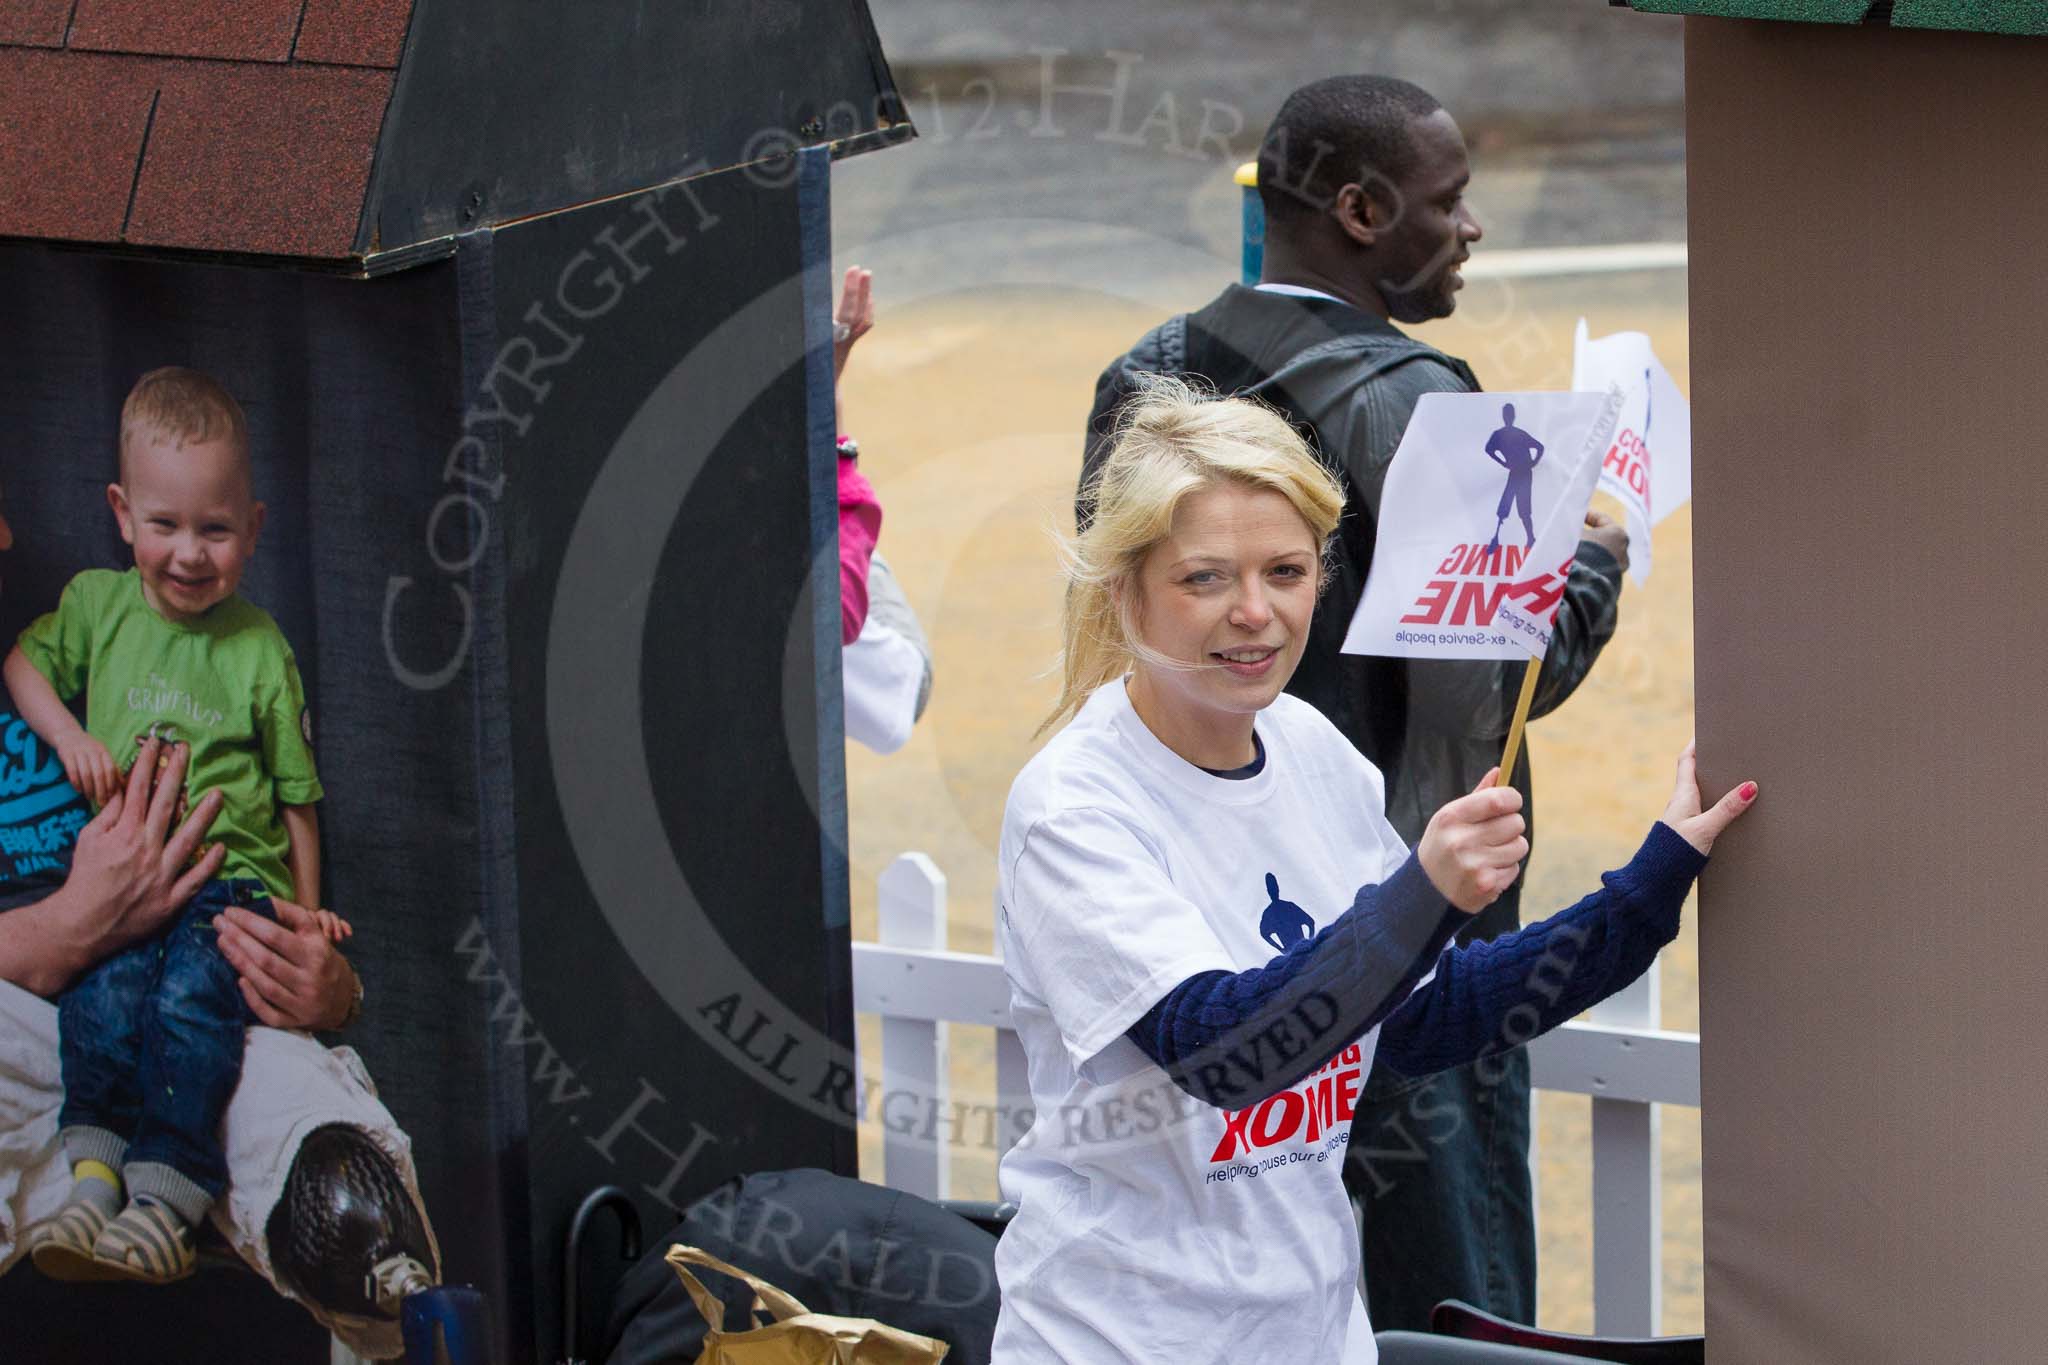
(40, 812)
(1284, 924)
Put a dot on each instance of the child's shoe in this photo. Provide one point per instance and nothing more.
(147, 1242)
(62, 1246)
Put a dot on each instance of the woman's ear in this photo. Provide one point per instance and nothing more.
(1127, 596)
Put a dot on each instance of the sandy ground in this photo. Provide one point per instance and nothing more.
(968, 405)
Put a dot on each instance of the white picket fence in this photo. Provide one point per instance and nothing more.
(1618, 1057)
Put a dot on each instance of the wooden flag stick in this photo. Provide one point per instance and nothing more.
(1514, 749)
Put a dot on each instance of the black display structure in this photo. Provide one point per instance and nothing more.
(552, 529)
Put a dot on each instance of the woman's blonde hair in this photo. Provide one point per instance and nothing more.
(1171, 441)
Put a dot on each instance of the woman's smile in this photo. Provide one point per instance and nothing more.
(1248, 661)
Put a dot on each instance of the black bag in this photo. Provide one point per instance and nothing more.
(842, 1246)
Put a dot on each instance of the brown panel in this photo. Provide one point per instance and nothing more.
(248, 30)
(71, 127)
(353, 32)
(36, 23)
(1870, 321)
(260, 159)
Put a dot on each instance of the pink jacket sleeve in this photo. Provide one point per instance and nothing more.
(860, 525)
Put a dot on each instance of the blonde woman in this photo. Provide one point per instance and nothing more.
(1180, 1191)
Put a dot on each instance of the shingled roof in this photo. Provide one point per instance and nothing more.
(244, 128)
(365, 133)
(1982, 16)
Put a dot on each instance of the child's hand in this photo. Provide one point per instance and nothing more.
(333, 926)
(90, 767)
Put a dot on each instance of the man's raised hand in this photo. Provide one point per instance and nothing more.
(1473, 848)
(1608, 534)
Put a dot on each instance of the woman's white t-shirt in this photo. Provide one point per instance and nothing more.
(1151, 1226)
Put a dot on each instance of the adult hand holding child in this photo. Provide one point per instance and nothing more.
(130, 872)
(291, 974)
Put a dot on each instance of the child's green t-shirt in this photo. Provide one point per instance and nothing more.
(226, 684)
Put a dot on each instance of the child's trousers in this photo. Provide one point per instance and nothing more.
(150, 1048)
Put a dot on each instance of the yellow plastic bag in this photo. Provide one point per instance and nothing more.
(797, 1336)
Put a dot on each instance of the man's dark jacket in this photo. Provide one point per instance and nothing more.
(1349, 382)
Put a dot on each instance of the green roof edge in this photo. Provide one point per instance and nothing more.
(2018, 17)
(2024, 17)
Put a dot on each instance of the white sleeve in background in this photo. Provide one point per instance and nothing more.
(888, 670)
(884, 672)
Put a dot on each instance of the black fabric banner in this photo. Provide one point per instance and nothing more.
(552, 530)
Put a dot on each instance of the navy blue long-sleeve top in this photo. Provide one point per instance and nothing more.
(1232, 1038)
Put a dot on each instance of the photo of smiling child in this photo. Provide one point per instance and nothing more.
(151, 1040)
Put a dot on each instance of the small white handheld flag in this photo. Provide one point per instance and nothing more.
(1479, 522)
(1648, 466)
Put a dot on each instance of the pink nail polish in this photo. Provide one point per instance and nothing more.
(1749, 791)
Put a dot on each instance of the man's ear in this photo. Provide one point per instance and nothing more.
(1359, 216)
(117, 498)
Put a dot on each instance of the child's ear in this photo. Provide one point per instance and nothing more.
(255, 521)
(117, 498)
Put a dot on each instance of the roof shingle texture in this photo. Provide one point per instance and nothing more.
(270, 161)
(247, 31)
(34, 23)
(70, 128)
(243, 126)
(1983, 16)
(354, 32)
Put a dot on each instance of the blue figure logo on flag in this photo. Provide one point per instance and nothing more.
(1516, 451)
(1442, 587)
